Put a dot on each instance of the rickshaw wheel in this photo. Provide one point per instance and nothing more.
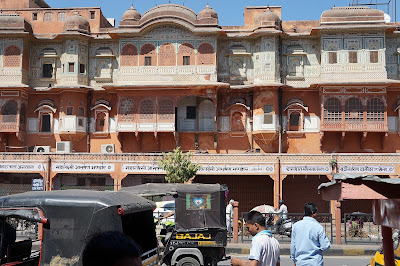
(188, 261)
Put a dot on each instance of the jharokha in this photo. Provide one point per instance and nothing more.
(271, 109)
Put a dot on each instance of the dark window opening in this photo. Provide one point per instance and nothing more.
(186, 60)
(34, 16)
(71, 67)
(190, 112)
(353, 57)
(332, 57)
(45, 123)
(373, 57)
(82, 68)
(81, 111)
(47, 70)
(70, 110)
(294, 119)
(80, 122)
(92, 14)
(101, 123)
(147, 61)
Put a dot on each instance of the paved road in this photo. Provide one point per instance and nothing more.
(328, 261)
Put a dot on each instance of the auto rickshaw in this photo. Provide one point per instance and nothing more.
(378, 258)
(199, 236)
(60, 223)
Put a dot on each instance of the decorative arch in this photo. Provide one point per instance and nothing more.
(205, 54)
(148, 54)
(101, 110)
(45, 109)
(354, 110)
(12, 56)
(9, 112)
(146, 109)
(129, 55)
(186, 54)
(167, 55)
(375, 110)
(333, 110)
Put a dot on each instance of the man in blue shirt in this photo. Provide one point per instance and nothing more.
(264, 249)
(308, 239)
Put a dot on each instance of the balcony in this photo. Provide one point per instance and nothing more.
(9, 124)
(359, 126)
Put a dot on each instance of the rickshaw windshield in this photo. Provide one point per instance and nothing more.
(200, 209)
(196, 205)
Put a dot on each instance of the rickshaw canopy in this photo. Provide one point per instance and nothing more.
(196, 205)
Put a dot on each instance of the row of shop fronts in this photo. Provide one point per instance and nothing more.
(253, 180)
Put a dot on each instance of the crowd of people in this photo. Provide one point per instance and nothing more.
(308, 239)
(307, 243)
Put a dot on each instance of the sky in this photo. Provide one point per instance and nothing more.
(230, 12)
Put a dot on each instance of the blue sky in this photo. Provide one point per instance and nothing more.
(230, 12)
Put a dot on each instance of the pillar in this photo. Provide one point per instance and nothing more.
(387, 242)
(235, 221)
(338, 223)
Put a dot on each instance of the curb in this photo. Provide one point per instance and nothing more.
(330, 252)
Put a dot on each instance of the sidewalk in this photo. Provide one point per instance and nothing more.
(335, 250)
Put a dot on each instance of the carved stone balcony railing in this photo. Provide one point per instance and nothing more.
(362, 126)
(9, 123)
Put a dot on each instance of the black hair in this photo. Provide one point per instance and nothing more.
(106, 248)
(310, 208)
(255, 217)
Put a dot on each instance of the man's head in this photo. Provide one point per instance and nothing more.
(231, 202)
(281, 202)
(310, 209)
(111, 248)
(255, 222)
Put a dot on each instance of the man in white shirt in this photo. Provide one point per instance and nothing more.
(283, 213)
(264, 249)
(229, 216)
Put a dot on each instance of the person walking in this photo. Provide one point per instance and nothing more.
(229, 216)
(264, 250)
(308, 239)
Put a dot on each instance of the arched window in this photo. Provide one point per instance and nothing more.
(127, 110)
(146, 110)
(186, 55)
(129, 55)
(12, 56)
(332, 110)
(167, 55)
(101, 123)
(148, 56)
(205, 55)
(9, 112)
(238, 122)
(166, 109)
(48, 17)
(375, 110)
(295, 120)
(354, 110)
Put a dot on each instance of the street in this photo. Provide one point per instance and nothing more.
(328, 260)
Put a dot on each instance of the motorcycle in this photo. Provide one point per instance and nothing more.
(282, 228)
